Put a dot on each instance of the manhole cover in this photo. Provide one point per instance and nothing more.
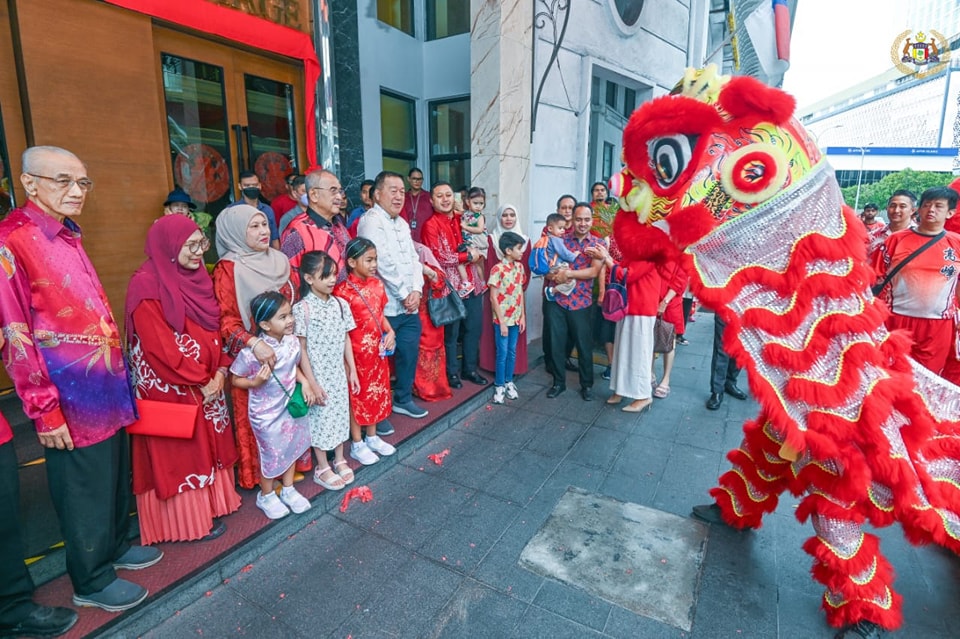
(645, 560)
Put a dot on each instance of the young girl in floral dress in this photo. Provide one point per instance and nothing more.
(373, 339)
(281, 439)
(322, 323)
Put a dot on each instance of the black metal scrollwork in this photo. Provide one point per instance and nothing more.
(549, 12)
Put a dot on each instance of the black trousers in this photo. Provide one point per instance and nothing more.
(90, 488)
(545, 342)
(562, 326)
(16, 587)
(723, 370)
(470, 328)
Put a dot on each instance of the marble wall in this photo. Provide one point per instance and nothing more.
(500, 68)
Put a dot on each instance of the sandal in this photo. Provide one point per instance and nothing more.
(343, 469)
(336, 483)
(661, 392)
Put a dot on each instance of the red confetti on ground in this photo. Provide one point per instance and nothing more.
(209, 593)
(247, 568)
(363, 493)
(437, 458)
(282, 595)
(489, 407)
(226, 581)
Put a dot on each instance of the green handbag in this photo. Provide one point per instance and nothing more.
(296, 404)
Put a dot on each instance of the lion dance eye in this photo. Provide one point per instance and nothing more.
(669, 156)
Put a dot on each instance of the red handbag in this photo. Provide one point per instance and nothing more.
(164, 419)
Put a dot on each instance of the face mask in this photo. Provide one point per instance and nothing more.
(304, 200)
(251, 192)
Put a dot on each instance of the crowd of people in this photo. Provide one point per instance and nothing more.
(312, 328)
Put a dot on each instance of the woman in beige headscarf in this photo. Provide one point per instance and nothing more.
(247, 267)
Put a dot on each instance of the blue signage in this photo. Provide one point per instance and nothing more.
(891, 150)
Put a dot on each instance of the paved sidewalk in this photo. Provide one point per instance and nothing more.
(435, 553)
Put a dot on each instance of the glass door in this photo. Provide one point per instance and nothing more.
(228, 111)
(271, 141)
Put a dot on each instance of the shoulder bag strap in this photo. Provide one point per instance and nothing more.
(933, 240)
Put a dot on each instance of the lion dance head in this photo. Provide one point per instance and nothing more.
(711, 150)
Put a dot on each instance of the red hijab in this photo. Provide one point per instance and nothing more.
(182, 292)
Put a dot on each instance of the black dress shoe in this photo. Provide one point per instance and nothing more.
(586, 393)
(555, 390)
(44, 621)
(475, 377)
(733, 391)
(571, 365)
(709, 513)
(454, 381)
(715, 400)
(863, 629)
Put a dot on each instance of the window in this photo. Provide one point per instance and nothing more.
(608, 150)
(450, 141)
(398, 132)
(612, 94)
(447, 18)
(397, 13)
(629, 102)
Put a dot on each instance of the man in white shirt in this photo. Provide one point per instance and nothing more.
(399, 268)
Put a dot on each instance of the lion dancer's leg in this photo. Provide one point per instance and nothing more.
(858, 579)
(752, 487)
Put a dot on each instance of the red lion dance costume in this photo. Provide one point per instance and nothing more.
(721, 171)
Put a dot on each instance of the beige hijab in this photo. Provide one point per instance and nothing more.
(254, 271)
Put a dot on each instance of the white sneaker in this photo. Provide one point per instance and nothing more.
(512, 391)
(380, 447)
(362, 453)
(294, 500)
(498, 393)
(271, 505)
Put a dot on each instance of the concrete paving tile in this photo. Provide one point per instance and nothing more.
(642, 457)
(598, 447)
(500, 568)
(300, 594)
(538, 623)
(742, 609)
(690, 473)
(521, 477)
(613, 418)
(476, 611)
(475, 460)
(639, 490)
(625, 624)
(658, 422)
(572, 603)
(471, 532)
(800, 615)
(404, 604)
(389, 492)
(223, 613)
(425, 512)
(513, 426)
(557, 437)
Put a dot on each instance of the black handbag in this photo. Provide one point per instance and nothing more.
(446, 309)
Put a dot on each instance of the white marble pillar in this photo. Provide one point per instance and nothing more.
(501, 52)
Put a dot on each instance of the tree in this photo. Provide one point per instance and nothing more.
(879, 192)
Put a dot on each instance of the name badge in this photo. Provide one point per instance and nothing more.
(413, 224)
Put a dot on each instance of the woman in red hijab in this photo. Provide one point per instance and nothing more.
(173, 333)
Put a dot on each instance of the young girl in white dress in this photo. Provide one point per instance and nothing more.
(281, 439)
(322, 323)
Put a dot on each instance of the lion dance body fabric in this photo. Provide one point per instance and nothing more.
(722, 172)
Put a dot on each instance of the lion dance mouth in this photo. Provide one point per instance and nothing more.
(847, 420)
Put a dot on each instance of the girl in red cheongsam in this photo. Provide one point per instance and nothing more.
(373, 339)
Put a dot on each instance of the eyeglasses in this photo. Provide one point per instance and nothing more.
(416, 179)
(198, 246)
(65, 183)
